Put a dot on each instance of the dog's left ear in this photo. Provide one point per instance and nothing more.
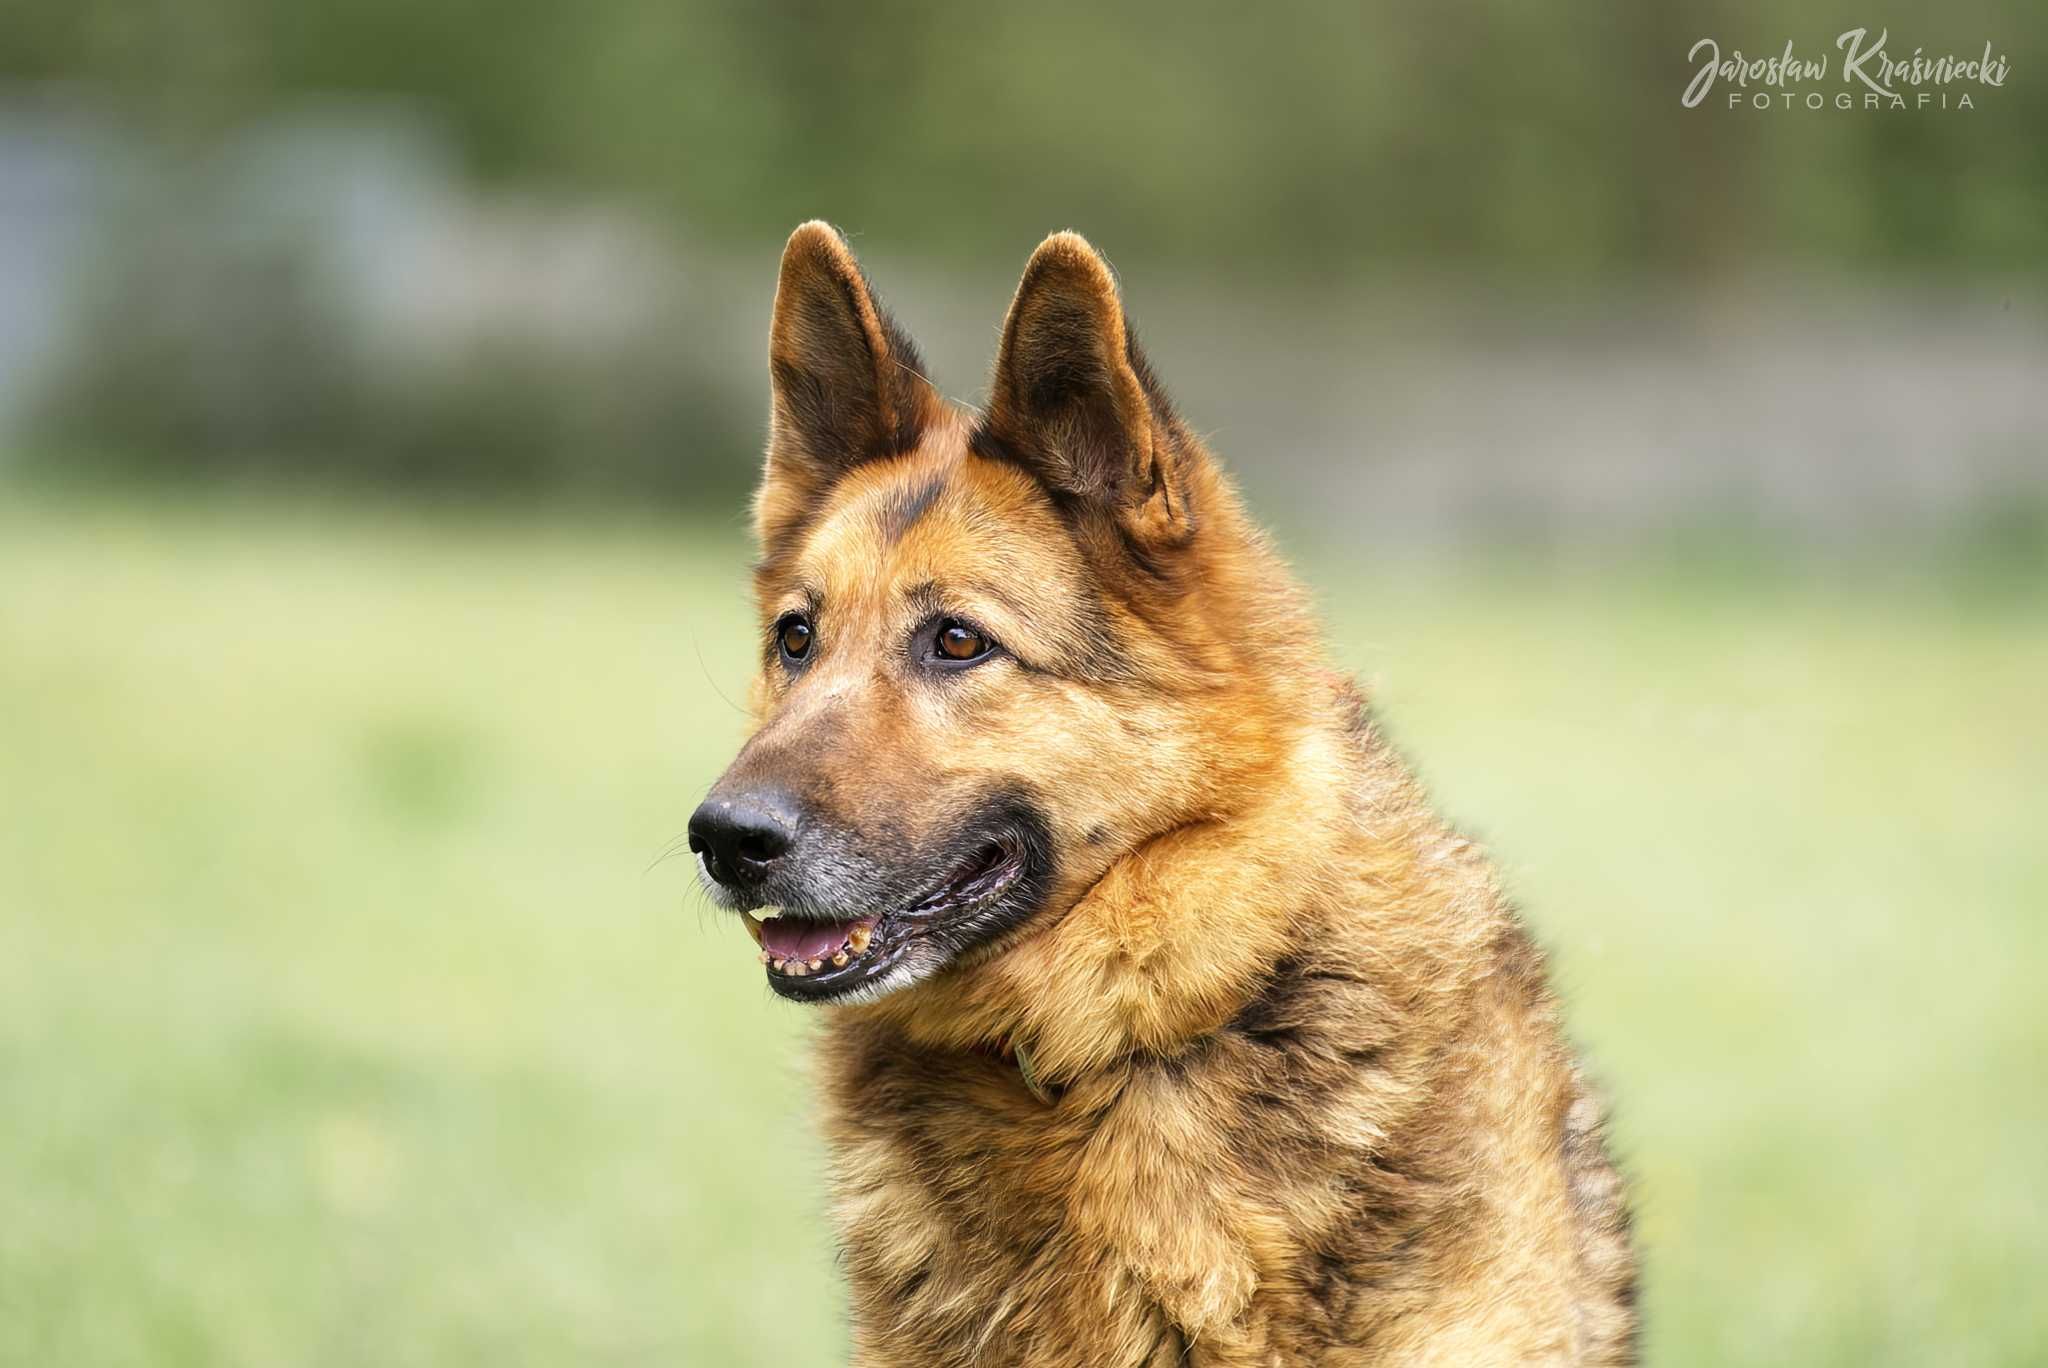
(1074, 401)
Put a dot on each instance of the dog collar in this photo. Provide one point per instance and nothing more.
(1030, 1076)
(1016, 1054)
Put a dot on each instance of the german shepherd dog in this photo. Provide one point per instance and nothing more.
(1165, 1023)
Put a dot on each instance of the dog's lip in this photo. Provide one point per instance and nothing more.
(839, 956)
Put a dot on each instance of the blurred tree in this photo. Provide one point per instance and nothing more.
(1305, 136)
(1497, 142)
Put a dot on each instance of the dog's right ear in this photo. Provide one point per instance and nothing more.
(849, 386)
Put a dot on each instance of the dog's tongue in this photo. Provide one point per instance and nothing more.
(788, 938)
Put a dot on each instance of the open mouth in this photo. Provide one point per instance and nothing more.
(814, 959)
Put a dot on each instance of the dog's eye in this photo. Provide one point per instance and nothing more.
(960, 643)
(793, 635)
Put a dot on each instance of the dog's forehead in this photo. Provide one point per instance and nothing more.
(942, 519)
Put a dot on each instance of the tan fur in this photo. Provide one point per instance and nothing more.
(1310, 1102)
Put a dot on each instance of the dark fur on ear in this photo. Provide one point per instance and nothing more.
(1074, 401)
(849, 385)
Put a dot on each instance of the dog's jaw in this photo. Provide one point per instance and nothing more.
(809, 959)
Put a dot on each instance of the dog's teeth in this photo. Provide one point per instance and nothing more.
(753, 927)
(767, 913)
(766, 957)
(798, 968)
(839, 960)
(859, 940)
(816, 965)
(777, 964)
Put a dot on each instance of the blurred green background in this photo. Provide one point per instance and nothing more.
(379, 389)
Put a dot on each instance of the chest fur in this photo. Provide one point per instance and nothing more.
(1218, 1209)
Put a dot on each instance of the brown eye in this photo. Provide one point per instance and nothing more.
(794, 636)
(958, 641)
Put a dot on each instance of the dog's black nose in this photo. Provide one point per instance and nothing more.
(739, 838)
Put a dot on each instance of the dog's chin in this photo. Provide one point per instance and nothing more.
(986, 893)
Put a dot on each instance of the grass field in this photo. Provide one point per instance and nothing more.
(346, 1016)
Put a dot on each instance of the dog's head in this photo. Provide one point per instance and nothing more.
(998, 651)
